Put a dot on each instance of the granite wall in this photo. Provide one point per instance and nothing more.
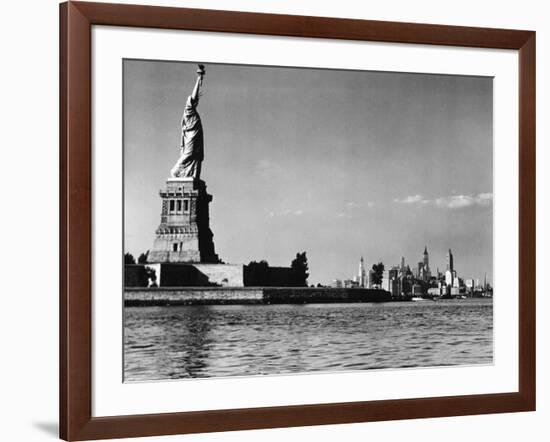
(191, 296)
(249, 295)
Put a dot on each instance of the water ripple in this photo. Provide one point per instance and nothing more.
(205, 341)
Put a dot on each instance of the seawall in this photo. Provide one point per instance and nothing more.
(163, 296)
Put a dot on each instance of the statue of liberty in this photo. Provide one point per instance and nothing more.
(192, 137)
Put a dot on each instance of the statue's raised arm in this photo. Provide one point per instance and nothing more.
(192, 137)
(201, 71)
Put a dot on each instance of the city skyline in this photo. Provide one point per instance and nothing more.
(435, 271)
(335, 163)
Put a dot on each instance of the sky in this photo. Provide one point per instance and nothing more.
(340, 164)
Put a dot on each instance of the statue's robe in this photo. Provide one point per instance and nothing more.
(192, 143)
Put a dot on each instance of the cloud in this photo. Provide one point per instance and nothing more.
(461, 201)
(485, 199)
(286, 212)
(352, 206)
(450, 202)
(412, 199)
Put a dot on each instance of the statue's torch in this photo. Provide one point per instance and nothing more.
(200, 72)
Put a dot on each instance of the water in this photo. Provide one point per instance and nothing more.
(205, 341)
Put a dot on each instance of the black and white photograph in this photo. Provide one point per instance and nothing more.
(287, 220)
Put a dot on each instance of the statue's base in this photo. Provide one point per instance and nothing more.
(184, 234)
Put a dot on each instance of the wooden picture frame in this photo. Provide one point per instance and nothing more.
(76, 421)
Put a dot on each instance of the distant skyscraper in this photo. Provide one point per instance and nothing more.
(449, 278)
(426, 258)
(420, 270)
(393, 281)
(456, 281)
(386, 280)
(450, 264)
(362, 273)
(402, 263)
(427, 270)
(423, 269)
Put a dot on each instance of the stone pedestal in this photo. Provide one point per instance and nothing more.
(184, 234)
